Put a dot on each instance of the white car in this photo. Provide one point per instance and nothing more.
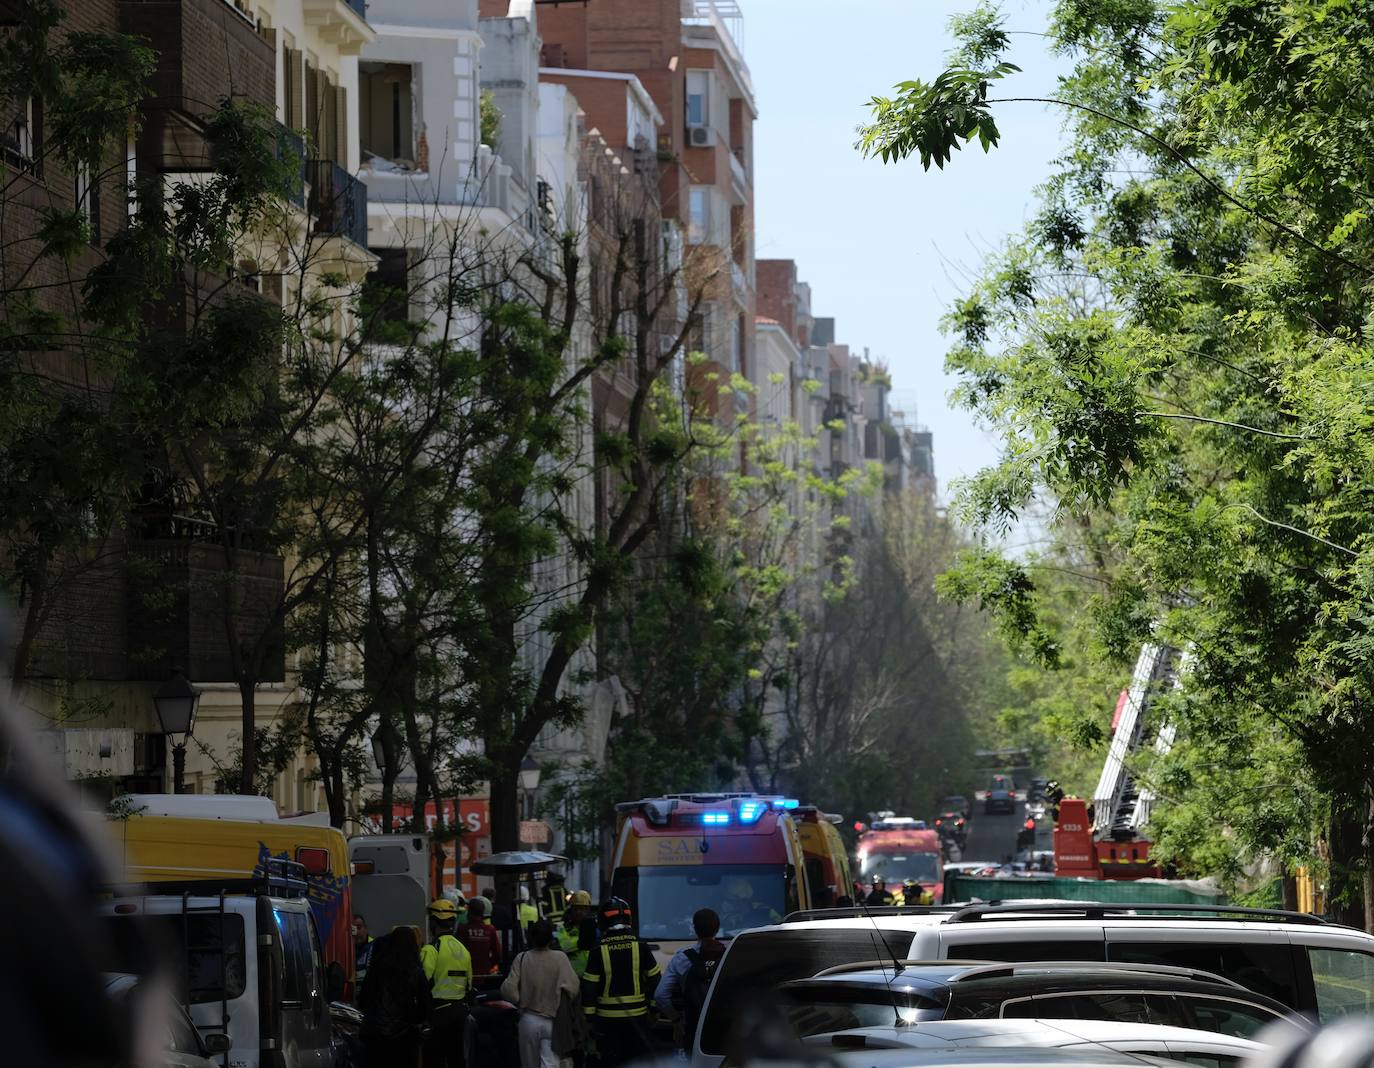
(1205, 1048)
(1321, 970)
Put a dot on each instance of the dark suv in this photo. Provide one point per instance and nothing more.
(878, 994)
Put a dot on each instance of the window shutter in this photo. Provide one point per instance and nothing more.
(295, 107)
(329, 126)
(341, 125)
(312, 110)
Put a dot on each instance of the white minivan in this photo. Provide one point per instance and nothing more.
(248, 965)
(1322, 970)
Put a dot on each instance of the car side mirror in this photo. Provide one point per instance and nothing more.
(217, 1043)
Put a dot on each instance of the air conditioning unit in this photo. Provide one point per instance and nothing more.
(701, 136)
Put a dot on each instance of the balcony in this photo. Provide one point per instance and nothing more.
(175, 608)
(338, 201)
(291, 146)
(342, 22)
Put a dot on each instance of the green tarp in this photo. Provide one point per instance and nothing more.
(1144, 891)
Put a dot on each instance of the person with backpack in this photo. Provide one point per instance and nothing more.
(682, 991)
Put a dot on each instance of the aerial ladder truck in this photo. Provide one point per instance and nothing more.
(1104, 838)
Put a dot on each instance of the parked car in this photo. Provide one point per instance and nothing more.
(1203, 1048)
(863, 995)
(986, 1057)
(1319, 969)
(182, 1045)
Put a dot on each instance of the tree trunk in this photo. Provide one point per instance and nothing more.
(248, 694)
(1346, 895)
(505, 801)
(33, 616)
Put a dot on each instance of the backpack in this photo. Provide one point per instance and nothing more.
(695, 984)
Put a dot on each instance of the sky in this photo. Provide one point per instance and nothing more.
(887, 248)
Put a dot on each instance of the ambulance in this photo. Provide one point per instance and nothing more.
(899, 848)
(827, 860)
(739, 854)
(162, 838)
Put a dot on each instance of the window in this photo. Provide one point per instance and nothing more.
(698, 98)
(1344, 979)
(22, 138)
(297, 957)
(386, 105)
(1029, 949)
(665, 896)
(386, 297)
(699, 216)
(1264, 967)
(1223, 1016)
(131, 178)
(756, 964)
(1119, 1006)
(815, 1010)
(88, 200)
(209, 948)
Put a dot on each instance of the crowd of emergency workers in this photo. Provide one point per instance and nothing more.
(584, 982)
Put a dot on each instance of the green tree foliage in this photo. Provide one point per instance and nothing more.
(1177, 355)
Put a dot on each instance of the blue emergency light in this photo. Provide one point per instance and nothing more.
(788, 803)
(715, 819)
(750, 811)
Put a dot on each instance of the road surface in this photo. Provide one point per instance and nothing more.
(992, 838)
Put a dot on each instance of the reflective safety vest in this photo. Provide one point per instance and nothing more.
(555, 899)
(568, 942)
(526, 915)
(448, 967)
(620, 979)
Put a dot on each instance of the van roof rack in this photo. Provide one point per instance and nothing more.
(282, 878)
(860, 912)
(972, 970)
(1097, 910)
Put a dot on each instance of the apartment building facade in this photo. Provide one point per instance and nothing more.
(686, 55)
(149, 599)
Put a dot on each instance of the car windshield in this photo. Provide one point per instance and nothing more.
(666, 896)
(897, 867)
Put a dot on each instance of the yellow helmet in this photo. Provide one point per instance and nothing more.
(443, 909)
(581, 897)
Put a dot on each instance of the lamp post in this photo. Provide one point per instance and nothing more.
(176, 701)
(529, 783)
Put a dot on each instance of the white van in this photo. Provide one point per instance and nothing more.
(248, 963)
(1321, 969)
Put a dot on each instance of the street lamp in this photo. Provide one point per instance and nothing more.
(529, 782)
(176, 701)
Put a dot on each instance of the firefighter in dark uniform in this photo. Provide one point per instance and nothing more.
(553, 899)
(618, 988)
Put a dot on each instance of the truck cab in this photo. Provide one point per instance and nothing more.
(245, 958)
(901, 848)
(739, 854)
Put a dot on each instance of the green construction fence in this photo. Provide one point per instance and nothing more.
(1143, 891)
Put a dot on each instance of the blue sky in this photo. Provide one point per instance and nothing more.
(886, 248)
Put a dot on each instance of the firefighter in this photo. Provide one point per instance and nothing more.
(576, 936)
(879, 895)
(913, 893)
(553, 898)
(448, 967)
(618, 987)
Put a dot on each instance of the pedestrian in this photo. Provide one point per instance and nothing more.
(617, 987)
(362, 948)
(682, 992)
(448, 967)
(577, 934)
(539, 979)
(481, 939)
(394, 1000)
